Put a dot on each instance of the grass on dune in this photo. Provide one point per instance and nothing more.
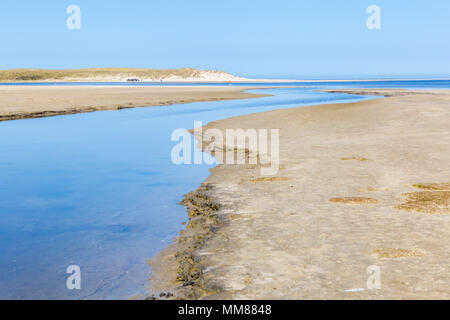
(42, 75)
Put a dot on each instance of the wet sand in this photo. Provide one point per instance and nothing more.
(360, 184)
(22, 102)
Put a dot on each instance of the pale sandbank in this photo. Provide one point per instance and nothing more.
(22, 102)
(362, 188)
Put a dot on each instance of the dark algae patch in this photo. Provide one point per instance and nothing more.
(353, 200)
(392, 253)
(435, 200)
(433, 186)
(203, 223)
(354, 158)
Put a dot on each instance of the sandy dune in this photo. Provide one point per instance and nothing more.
(115, 75)
(361, 184)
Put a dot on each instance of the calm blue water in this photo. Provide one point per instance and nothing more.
(99, 190)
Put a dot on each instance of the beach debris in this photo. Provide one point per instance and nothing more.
(353, 200)
(161, 296)
(396, 253)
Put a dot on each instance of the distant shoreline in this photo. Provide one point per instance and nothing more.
(200, 81)
(144, 75)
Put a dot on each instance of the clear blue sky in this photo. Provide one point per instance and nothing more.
(296, 39)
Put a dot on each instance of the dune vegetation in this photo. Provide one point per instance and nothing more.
(106, 74)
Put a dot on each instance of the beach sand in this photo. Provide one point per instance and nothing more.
(21, 102)
(360, 185)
